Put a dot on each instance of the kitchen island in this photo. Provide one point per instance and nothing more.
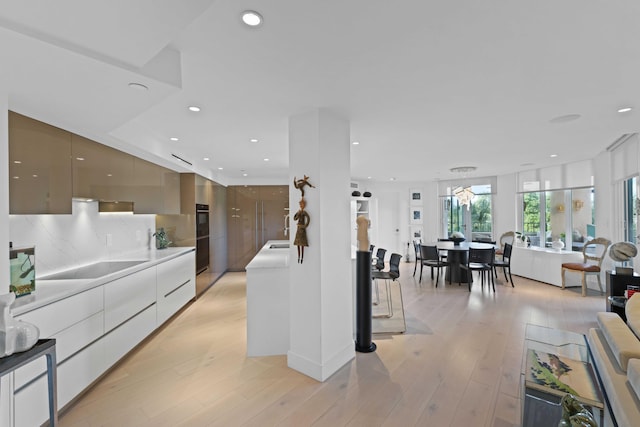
(268, 300)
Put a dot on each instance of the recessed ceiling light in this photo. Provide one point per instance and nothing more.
(80, 158)
(173, 138)
(245, 174)
(356, 143)
(109, 174)
(194, 108)
(392, 179)
(206, 159)
(566, 118)
(251, 18)
(625, 110)
(17, 162)
(253, 140)
(265, 159)
(34, 175)
(368, 177)
(138, 86)
(220, 168)
(553, 155)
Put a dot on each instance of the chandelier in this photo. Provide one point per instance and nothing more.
(464, 195)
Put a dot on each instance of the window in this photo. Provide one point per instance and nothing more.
(474, 221)
(567, 215)
(631, 209)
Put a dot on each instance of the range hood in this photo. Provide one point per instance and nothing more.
(115, 206)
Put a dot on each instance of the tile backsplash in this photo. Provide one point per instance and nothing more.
(86, 236)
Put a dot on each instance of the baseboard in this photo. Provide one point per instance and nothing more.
(321, 371)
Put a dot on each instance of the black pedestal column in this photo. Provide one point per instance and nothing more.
(363, 303)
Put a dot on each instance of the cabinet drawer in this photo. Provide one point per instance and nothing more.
(74, 375)
(68, 342)
(59, 315)
(125, 337)
(170, 303)
(126, 297)
(175, 272)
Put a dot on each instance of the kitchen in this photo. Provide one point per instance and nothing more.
(81, 217)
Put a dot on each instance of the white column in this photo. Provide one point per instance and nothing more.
(321, 300)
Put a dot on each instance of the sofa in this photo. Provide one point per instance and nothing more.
(615, 347)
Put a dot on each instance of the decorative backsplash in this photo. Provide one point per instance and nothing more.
(65, 241)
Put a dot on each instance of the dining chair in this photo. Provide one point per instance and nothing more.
(593, 253)
(507, 237)
(416, 248)
(480, 260)
(504, 262)
(431, 258)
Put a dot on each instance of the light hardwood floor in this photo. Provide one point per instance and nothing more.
(458, 364)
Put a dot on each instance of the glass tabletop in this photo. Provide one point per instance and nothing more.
(557, 341)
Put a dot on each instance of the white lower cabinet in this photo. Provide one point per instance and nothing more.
(94, 330)
(176, 285)
(125, 337)
(126, 297)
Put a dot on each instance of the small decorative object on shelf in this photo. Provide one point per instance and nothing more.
(366, 194)
(15, 335)
(622, 252)
(162, 241)
(355, 193)
(522, 240)
(574, 413)
(22, 266)
(557, 244)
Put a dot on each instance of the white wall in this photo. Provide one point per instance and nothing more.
(66, 241)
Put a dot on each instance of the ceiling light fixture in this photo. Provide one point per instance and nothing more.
(251, 18)
(174, 139)
(245, 174)
(80, 158)
(464, 195)
(206, 159)
(553, 155)
(624, 110)
(356, 143)
(194, 108)
(220, 168)
(265, 159)
(17, 162)
(253, 140)
(463, 169)
(138, 86)
(566, 118)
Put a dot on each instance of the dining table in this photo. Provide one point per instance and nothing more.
(457, 255)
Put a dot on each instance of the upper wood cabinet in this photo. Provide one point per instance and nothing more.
(156, 190)
(101, 172)
(40, 179)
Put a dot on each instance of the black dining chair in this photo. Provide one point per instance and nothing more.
(431, 258)
(504, 263)
(480, 260)
(416, 248)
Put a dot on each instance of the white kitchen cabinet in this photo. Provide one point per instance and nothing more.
(125, 337)
(94, 329)
(176, 285)
(128, 296)
(74, 322)
(74, 375)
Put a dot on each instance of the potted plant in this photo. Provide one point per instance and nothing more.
(522, 239)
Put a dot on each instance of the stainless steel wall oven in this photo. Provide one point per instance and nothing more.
(202, 237)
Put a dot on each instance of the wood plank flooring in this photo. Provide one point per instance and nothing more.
(458, 364)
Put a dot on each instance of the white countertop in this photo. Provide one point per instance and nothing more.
(269, 257)
(48, 291)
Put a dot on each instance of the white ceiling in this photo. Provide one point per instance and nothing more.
(426, 85)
